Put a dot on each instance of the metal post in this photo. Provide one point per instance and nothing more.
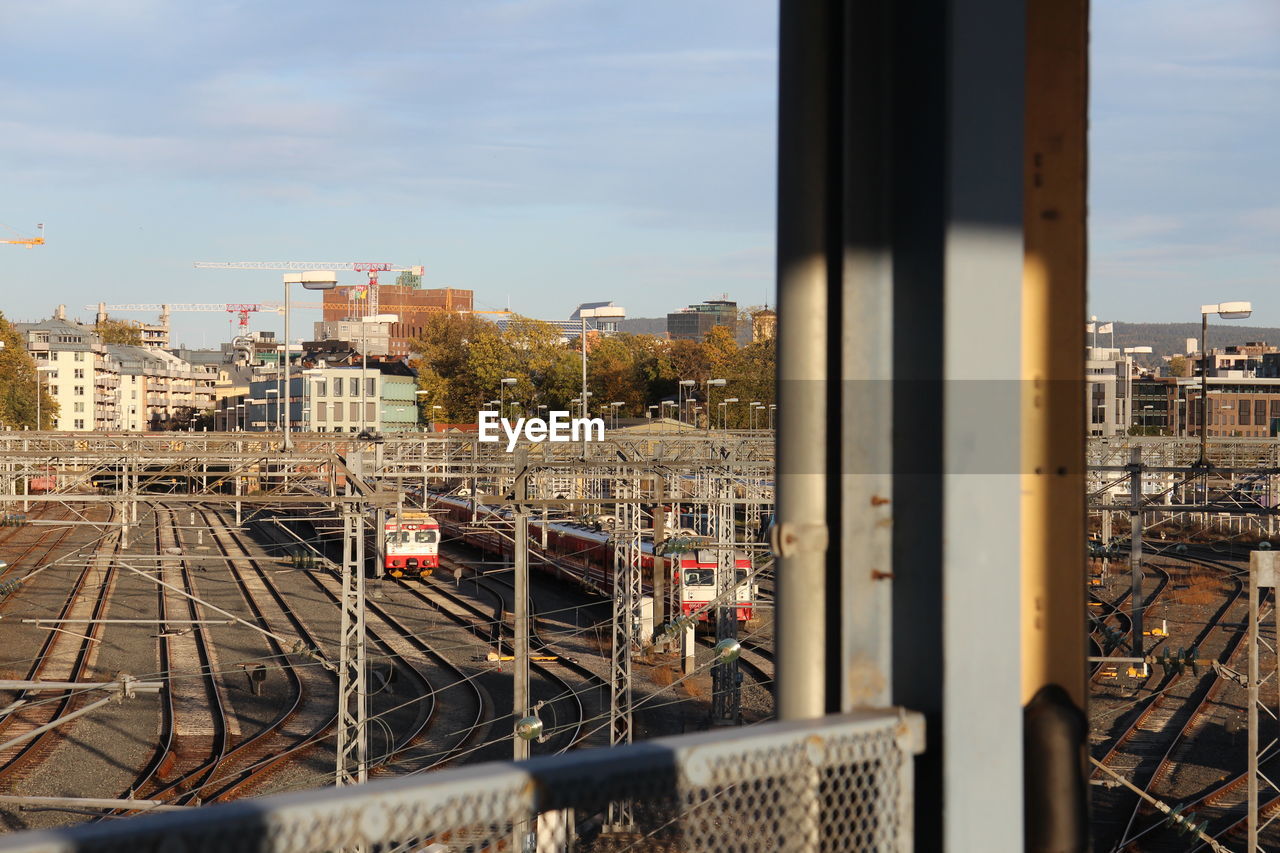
(520, 706)
(285, 393)
(659, 563)
(352, 753)
(726, 700)
(1135, 550)
(805, 187)
(1204, 399)
(1262, 576)
(626, 606)
(583, 340)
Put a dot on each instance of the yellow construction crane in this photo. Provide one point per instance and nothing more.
(28, 242)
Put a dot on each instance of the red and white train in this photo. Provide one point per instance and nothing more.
(585, 554)
(412, 541)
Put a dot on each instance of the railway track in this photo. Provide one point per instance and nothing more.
(420, 662)
(62, 656)
(493, 631)
(1144, 752)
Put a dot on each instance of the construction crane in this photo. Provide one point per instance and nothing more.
(28, 242)
(243, 309)
(369, 293)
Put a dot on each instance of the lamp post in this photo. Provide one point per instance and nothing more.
(364, 359)
(680, 399)
(433, 416)
(44, 368)
(1226, 311)
(583, 314)
(1145, 426)
(311, 378)
(755, 404)
(422, 410)
(266, 408)
(711, 383)
(311, 280)
(502, 394)
(724, 411)
(773, 408)
(614, 406)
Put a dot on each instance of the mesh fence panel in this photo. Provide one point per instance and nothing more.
(837, 784)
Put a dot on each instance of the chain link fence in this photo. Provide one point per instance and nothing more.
(836, 784)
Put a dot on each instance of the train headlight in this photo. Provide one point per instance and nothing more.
(728, 649)
(529, 728)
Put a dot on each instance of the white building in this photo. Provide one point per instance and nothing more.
(82, 380)
(158, 390)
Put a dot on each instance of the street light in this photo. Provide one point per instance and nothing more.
(44, 368)
(309, 396)
(583, 314)
(614, 406)
(502, 393)
(364, 359)
(433, 416)
(724, 411)
(311, 280)
(1226, 311)
(1145, 426)
(710, 384)
(266, 410)
(680, 399)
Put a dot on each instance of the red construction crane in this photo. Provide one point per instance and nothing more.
(243, 309)
(372, 268)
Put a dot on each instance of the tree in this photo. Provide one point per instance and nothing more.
(119, 332)
(450, 351)
(1178, 366)
(18, 384)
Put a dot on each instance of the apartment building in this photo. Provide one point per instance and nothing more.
(158, 390)
(375, 398)
(78, 374)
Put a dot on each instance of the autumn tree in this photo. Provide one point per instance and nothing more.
(119, 332)
(18, 385)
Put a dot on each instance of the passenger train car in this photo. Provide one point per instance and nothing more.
(585, 554)
(412, 544)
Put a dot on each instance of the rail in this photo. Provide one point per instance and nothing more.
(837, 783)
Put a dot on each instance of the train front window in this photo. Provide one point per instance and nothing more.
(428, 537)
(693, 577)
(741, 575)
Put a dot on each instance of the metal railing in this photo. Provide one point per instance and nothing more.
(833, 784)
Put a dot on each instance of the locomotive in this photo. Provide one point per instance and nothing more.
(412, 540)
(585, 554)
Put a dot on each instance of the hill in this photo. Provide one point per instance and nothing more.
(1171, 338)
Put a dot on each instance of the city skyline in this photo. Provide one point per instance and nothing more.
(549, 152)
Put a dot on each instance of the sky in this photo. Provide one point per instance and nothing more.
(548, 152)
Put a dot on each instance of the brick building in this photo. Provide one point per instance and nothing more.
(412, 305)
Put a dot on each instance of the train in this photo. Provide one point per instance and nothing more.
(412, 544)
(584, 553)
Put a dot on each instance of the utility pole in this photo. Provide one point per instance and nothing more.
(659, 564)
(353, 699)
(1135, 550)
(520, 705)
(626, 607)
(1262, 576)
(726, 687)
